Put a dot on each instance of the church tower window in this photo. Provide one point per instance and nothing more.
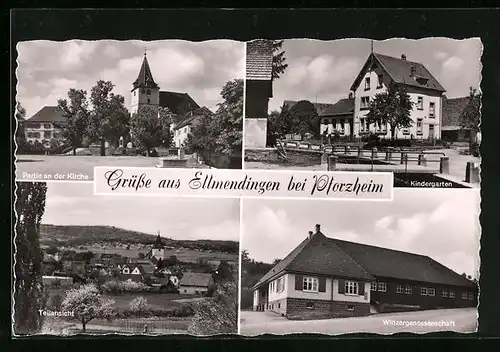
(149, 92)
(149, 101)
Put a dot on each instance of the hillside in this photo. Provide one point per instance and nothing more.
(72, 235)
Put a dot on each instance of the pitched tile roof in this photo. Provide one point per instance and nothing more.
(145, 78)
(320, 107)
(177, 103)
(189, 121)
(47, 114)
(195, 279)
(400, 72)
(396, 264)
(342, 107)
(320, 255)
(259, 60)
(452, 110)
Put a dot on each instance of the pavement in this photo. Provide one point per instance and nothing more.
(463, 320)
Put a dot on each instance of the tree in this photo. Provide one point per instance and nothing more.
(166, 121)
(139, 306)
(392, 107)
(146, 128)
(245, 257)
(75, 117)
(20, 131)
(202, 137)
(87, 256)
(471, 116)
(171, 261)
(160, 264)
(28, 287)
(279, 64)
(109, 117)
(224, 272)
(303, 118)
(140, 255)
(87, 304)
(276, 261)
(52, 250)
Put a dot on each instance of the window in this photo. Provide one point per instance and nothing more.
(33, 134)
(185, 291)
(432, 109)
(196, 292)
(408, 290)
(148, 92)
(380, 81)
(47, 135)
(406, 131)
(47, 126)
(134, 93)
(281, 284)
(367, 83)
(310, 284)
(431, 292)
(279, 305)
(452, 294)
(382, 286)
(149, 101)
(365, 103)
(373, 286)
(423, 291)
(350, 308)
(310, 305)
(351, 288)
(444, 293)
(399, 288)
(419, 126)
(464, 295)
(471, 296)
(420, 103)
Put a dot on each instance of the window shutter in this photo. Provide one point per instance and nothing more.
(341, 286)
(298, 282)
(361, 288)
(322, 284)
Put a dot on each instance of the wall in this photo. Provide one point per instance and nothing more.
(180, 135)
(414, 93)
(257, 94)
(191, 290)
(332, 124)
(255, 132)
(139, 97)
(41, 131)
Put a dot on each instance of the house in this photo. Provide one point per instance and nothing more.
(452, 113)
(338, 118)
(320, 107)
(184, 128)
(44, 126)
(325, 277)
(425, 92)
(195, 283)
(258, 91)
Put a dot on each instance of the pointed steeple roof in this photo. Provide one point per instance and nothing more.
(145, 78)
(158, 243)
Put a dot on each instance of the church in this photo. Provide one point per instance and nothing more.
(185, 111)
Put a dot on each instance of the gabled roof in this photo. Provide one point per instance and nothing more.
(196, 279)
(342, 107)
(399, 70)
(145, 78)
(390, 263)
(452, 111)
(177, 103)
(189, 121)
(318, 255)
(47, 114)
(320, 107)
(259, 60)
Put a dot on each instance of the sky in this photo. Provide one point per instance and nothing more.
(47, 69)
(440, 223)
(323, 71)
(74, 203)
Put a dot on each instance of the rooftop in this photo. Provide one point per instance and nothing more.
(259, 60)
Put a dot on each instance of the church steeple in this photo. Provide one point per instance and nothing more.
(158, 243)
(145, 78)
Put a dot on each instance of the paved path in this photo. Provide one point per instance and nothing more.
(465, 321)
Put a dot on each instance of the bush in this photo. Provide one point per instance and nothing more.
(140, 306)
(55, 302)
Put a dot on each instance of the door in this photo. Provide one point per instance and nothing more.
(431, 132)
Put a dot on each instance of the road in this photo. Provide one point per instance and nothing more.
(464, 321)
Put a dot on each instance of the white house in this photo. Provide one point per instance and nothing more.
(425, 92)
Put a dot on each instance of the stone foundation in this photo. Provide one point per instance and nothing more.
(304, 309)
(261, 154)
(278, 306)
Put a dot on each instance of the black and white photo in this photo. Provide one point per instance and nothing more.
(411, 107)
(166, 103)
(409, 265)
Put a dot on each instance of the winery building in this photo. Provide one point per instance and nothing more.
(328, 278)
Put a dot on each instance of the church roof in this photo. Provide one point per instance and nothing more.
(178, 103)
(158, 243)
(145, 78)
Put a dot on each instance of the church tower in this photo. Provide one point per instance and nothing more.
(145, 91)
(158, 250)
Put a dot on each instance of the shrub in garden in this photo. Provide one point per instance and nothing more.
(140, 306)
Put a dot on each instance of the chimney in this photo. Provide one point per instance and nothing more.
(351, 95)
(318, 228)
(403, 57)
(310, 234)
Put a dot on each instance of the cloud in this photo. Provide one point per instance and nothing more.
(453, 64)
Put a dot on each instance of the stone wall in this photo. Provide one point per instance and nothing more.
(278, 306)
(303, 309)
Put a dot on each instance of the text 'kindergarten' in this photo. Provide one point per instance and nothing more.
(243, 183)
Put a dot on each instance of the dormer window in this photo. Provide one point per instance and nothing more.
(367, 83)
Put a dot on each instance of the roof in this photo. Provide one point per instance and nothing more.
(319, 256)
(189, 121)
(177, 103)
(145, 78)
(320, 107)
(259, 60)
(147, 268)
(400, 72)
(396, 264)
(195, 279)
(452, 111)
(158, 242)
(342, 107)
(47, 114)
